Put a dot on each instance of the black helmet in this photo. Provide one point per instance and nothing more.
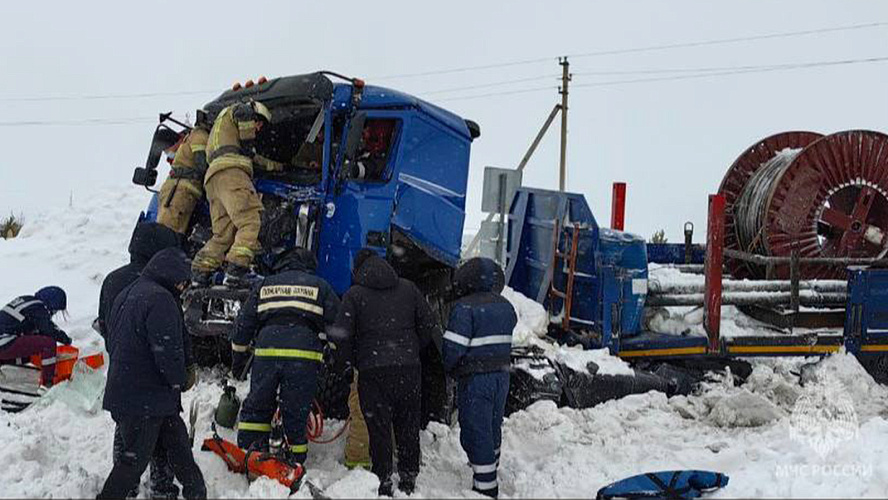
(295, 259)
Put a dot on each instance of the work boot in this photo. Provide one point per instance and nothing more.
(201, 278)
(235, 276)
(407, 484)
(385, 488)
(492, 493)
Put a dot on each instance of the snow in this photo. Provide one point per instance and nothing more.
(774, 436)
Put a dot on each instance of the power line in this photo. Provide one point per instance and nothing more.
(723, 41)
(650, 48)
(488, 85)
(737, 71)
(85, 121)
(97, 97)
(492, 94)
(706, 73)
(729, 71)
(464, 69)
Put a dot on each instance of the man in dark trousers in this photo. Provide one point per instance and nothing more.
(477, 351)
(284, 319)
(383, 323)
(148, 238)
(26, 329)
(146, 376)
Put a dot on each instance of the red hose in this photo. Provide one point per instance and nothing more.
(314, 427)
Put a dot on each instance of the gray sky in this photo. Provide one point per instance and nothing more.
(672, 141)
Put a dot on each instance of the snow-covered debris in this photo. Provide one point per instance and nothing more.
(578, 360)
(533, 320)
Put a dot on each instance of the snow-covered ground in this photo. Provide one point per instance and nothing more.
(772, 436)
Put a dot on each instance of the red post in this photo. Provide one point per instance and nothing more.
(712, 291)
(618, 206)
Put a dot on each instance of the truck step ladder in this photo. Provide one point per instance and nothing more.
(570, 258)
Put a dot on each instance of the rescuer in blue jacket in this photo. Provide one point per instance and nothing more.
(477, 349)
(26, 329)
(284, 319)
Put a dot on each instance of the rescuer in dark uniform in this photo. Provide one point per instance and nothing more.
(284, 319)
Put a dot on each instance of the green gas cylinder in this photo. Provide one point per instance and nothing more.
(228, 407)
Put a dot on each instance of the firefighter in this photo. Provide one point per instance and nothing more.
(26, 329)
(477, 347)
(284, 320)
(184, 186)
(234, 205)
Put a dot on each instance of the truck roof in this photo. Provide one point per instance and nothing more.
(316, 88)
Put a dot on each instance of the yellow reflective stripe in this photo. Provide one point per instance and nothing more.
(773, 349)
(291, 303)
(196, 148)
(253, 426)
(191, 187)
(239, 348)
(874, 348)
(247, 125)
(299, 448)
(245, 251)
(678, 351)
(289, 353)
(232, 160)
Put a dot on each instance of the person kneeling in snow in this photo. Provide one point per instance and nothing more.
(147, 374)
(477, 351)
(26, 329)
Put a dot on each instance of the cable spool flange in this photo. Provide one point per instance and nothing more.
(737, 177)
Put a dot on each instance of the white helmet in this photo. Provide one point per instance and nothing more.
(262, 110)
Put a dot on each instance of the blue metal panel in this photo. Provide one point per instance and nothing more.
(651, 340)
(674, 253)
(530, 244)
(866, 315)
(626, 254)
(430, 200)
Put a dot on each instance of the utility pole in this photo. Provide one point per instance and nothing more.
(565, 79)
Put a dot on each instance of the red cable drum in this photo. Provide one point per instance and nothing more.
(826, 195)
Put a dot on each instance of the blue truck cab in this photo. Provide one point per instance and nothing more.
(391, 174)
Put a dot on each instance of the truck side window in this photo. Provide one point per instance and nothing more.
(376, 146)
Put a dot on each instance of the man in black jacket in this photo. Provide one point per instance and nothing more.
(284, 319)
(147, 374)
(383, 324)
(148, 239)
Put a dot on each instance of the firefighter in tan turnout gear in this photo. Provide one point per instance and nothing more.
(184, 186)
(234, 205)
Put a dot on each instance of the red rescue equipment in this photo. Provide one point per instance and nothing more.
(255, 463)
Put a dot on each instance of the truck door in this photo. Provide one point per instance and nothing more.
(360, 197)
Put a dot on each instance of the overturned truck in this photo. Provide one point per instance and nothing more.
(392, 176)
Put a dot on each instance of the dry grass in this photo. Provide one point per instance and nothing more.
(11, 226)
